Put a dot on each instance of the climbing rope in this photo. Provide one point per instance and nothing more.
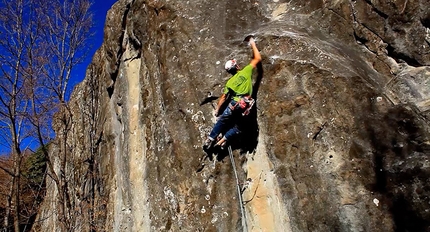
(242, 207)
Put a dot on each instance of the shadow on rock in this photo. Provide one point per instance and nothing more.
(248, 140)
(400, 151)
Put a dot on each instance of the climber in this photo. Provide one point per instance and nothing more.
(237, 92)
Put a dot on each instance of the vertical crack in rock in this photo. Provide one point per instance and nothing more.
(120, 51)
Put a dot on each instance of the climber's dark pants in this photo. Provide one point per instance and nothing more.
(227, 123)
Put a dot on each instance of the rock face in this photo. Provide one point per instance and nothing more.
(339, 140)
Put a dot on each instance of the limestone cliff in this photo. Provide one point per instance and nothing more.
(339, 139)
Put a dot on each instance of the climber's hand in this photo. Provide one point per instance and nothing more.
(251, 42)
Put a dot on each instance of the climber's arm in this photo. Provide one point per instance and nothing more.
(220, 103)
(256, 54)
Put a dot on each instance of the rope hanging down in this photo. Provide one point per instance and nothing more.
(239, 194)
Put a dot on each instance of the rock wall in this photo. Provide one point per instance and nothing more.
(339, 139)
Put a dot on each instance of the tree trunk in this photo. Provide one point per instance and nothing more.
(8, 206)
(15, 190)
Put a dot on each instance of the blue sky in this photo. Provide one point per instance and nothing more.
(99, 8)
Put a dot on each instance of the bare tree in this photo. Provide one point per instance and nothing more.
(16, 41)
(40, 44)
(6, 174)
(68, 27)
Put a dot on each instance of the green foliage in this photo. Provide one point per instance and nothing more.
(35, 168)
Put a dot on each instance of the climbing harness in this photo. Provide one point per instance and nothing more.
(242, 207)
(245, 104)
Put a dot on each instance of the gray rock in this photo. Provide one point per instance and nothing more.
(339, 139)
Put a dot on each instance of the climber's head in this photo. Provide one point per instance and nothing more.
(231, 66)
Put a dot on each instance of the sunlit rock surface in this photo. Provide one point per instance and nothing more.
(339, 139)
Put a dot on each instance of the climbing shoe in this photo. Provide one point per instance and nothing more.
(208, 143)
(222, 143)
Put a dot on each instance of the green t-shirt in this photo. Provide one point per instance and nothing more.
(240, 83)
